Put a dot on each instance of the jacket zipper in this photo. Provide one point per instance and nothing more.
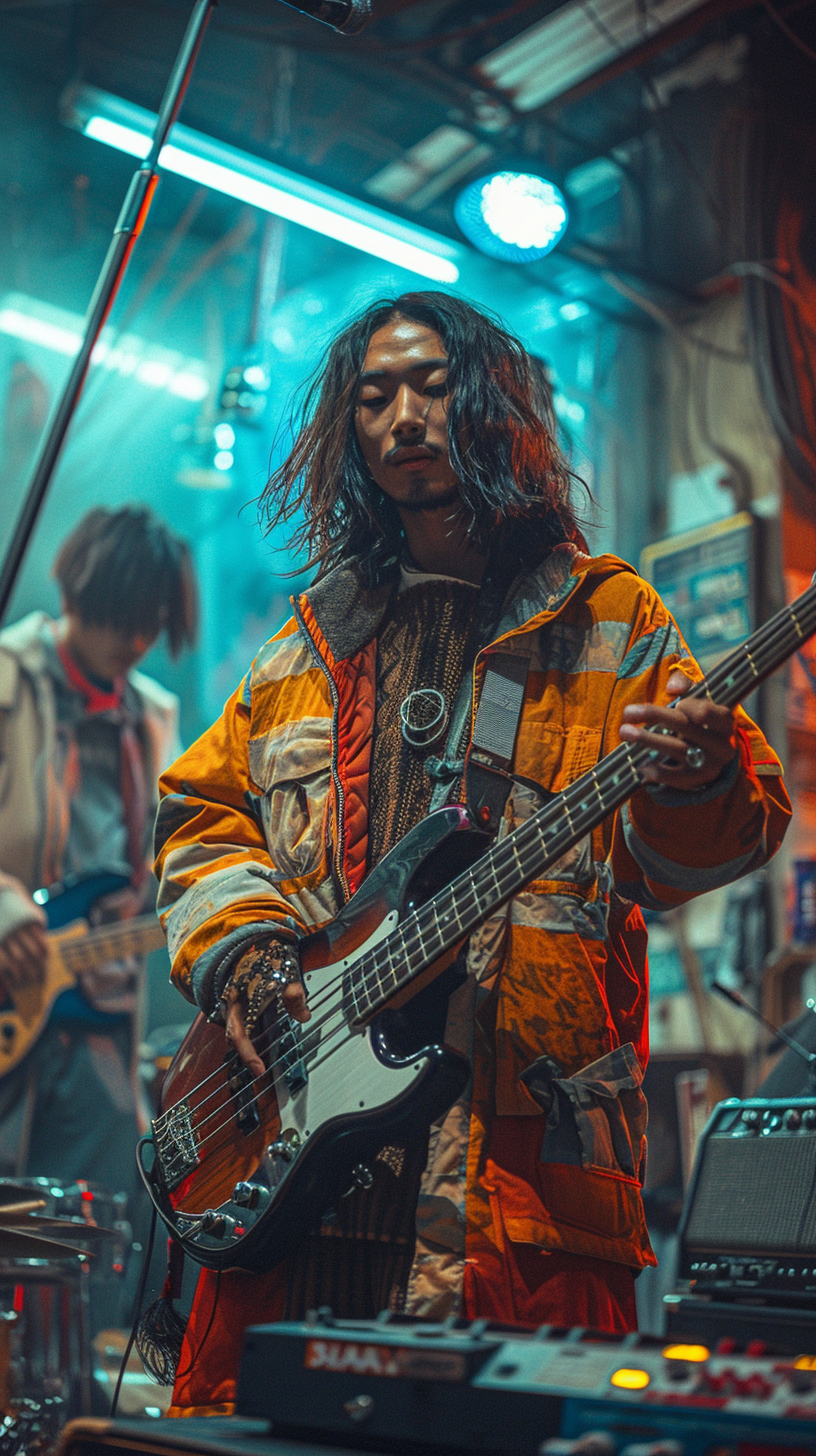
(337, 857)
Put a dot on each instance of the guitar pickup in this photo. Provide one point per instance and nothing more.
(293, 1067)
(241, 1083)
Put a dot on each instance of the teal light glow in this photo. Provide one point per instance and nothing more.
(264, 185)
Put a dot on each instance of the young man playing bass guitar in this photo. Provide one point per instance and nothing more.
(437, 509)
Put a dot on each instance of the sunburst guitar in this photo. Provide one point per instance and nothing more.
(74, 946)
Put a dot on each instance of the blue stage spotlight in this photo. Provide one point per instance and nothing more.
(514, 216)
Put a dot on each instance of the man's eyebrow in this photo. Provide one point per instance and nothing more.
(370, 374)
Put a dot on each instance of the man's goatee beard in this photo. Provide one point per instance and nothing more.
(439, 502)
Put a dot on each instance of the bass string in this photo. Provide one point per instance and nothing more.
(528, 837)
(504, 875)
(263, 1044)
(257, 1091)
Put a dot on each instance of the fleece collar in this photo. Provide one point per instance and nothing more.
(349, 614)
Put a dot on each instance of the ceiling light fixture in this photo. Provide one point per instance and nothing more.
(574, 42)
(35, 322)
(514, 216)
(264, 185)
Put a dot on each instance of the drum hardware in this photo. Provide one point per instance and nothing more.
(61, 1245)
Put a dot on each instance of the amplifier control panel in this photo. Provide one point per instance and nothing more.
(642, 1371)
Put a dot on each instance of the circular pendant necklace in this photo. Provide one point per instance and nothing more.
(423, 717)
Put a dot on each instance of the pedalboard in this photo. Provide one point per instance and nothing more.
(462, 1387)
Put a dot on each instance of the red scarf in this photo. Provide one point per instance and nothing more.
(134, 787)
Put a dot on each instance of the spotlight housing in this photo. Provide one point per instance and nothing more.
(516, 217)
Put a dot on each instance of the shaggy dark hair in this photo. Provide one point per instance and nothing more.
(126, 569)
(501, 441)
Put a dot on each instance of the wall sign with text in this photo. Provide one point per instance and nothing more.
(707, 580)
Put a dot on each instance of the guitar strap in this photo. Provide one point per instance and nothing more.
(488, 758)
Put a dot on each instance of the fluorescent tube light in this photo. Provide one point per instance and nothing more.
(574, 42)
(36, 322)
(264, 185)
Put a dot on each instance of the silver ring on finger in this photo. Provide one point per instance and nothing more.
(695, 757)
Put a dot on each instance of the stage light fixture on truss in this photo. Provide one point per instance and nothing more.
(265, 185)
(516, 217)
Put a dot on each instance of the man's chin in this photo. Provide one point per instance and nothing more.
(428, 502)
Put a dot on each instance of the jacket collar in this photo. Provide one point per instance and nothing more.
(349, 614)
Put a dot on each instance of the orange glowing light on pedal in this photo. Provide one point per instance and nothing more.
(695, 1353)
(805, 1362)
(630, 1379)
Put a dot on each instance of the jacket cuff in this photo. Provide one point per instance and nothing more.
(677, 798)
(213, 969)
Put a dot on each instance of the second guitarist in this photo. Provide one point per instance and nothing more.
(438, 508)
(82, 739)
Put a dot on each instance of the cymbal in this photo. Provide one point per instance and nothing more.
(11, 1192)
(65, 1228)
(15, 1244)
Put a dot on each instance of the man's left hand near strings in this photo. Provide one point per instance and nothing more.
(671, 730)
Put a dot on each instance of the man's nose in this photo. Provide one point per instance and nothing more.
(409, 413)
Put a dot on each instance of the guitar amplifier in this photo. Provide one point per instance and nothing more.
(748, 1227)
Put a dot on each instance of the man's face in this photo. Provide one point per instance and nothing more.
(104, 652)
(401, 417)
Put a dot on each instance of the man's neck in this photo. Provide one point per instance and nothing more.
(438, 542)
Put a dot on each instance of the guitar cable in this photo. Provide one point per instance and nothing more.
(140, 1293)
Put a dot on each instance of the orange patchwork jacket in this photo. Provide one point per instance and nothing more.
(264, 822)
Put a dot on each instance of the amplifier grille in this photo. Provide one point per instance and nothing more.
(755, 1194)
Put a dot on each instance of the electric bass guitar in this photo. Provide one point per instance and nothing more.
(73, 947)
(241, 1163)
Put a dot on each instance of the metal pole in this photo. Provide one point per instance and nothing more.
(130, 223)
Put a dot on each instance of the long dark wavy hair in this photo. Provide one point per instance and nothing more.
(501, 442)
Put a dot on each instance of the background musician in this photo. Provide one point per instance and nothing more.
(438, 509)
(83, 737)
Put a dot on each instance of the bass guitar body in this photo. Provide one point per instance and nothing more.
(242, 1166)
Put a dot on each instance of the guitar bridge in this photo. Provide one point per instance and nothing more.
(175, 1144)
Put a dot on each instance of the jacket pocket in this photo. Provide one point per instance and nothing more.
(597, 1118)
(291, 767)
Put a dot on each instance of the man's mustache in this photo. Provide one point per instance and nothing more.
(434, 451)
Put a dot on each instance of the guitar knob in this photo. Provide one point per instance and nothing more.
(281, 1149)
(246, 1195)
(217, 1225)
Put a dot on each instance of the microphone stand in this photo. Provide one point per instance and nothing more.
(129, 224)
